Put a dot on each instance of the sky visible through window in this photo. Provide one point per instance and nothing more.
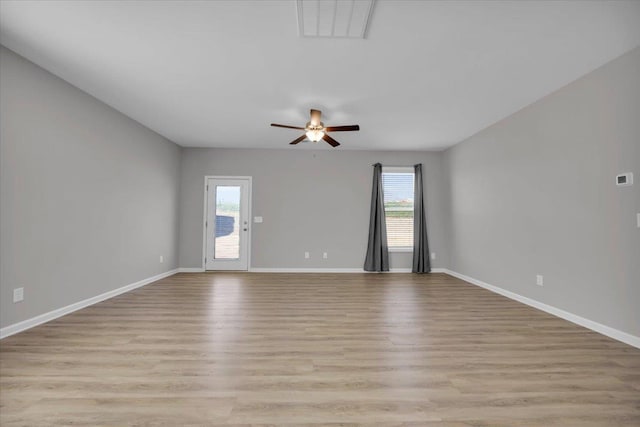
(227, 195)
(397, 186)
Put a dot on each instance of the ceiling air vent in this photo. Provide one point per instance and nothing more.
(336, 19)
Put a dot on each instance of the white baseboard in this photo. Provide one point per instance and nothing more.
(332, 270)
(305, 270)
(310, 270)
(54, 314)
(589, 324)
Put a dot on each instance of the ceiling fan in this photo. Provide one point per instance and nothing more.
(315, 130)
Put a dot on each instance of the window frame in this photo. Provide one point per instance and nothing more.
(399, 169)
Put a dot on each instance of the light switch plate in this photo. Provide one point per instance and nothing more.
(257, 219)
(18, 294)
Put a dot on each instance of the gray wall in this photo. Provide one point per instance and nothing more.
(311, 200)
(88, 197)
(535, 194)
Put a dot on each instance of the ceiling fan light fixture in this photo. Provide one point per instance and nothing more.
(314, 135)
(314, 130)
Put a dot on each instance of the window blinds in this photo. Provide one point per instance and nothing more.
(398, 208)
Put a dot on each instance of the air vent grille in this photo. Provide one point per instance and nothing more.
(334, 19)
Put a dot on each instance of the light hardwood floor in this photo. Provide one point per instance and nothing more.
(245, 349)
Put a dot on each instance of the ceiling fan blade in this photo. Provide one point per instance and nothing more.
(295, 141)
(286, 126)
(315, 117)
(330, 140)
(342, 128)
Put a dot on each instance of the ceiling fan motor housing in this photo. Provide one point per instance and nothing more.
(311, 126)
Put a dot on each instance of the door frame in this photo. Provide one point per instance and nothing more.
(204, 217)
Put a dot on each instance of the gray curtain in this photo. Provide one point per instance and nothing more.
(377, 258)
(421, 261)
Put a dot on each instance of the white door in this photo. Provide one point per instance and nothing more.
(227, 223)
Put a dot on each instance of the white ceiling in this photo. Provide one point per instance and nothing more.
(216, 74)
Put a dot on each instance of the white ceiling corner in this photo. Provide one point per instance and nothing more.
(334, 18)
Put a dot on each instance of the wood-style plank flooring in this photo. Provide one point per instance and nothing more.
(240, 349)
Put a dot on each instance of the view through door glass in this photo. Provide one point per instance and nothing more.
(227, 238)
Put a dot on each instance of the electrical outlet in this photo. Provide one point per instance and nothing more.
(306, 255)
(324, 255)
(161, 259)
(624, 179)
(433, 255)
(18, 294)
(539, 280)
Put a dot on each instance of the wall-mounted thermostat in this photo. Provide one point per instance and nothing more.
(624, 179)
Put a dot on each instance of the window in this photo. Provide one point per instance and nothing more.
(397, 186)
